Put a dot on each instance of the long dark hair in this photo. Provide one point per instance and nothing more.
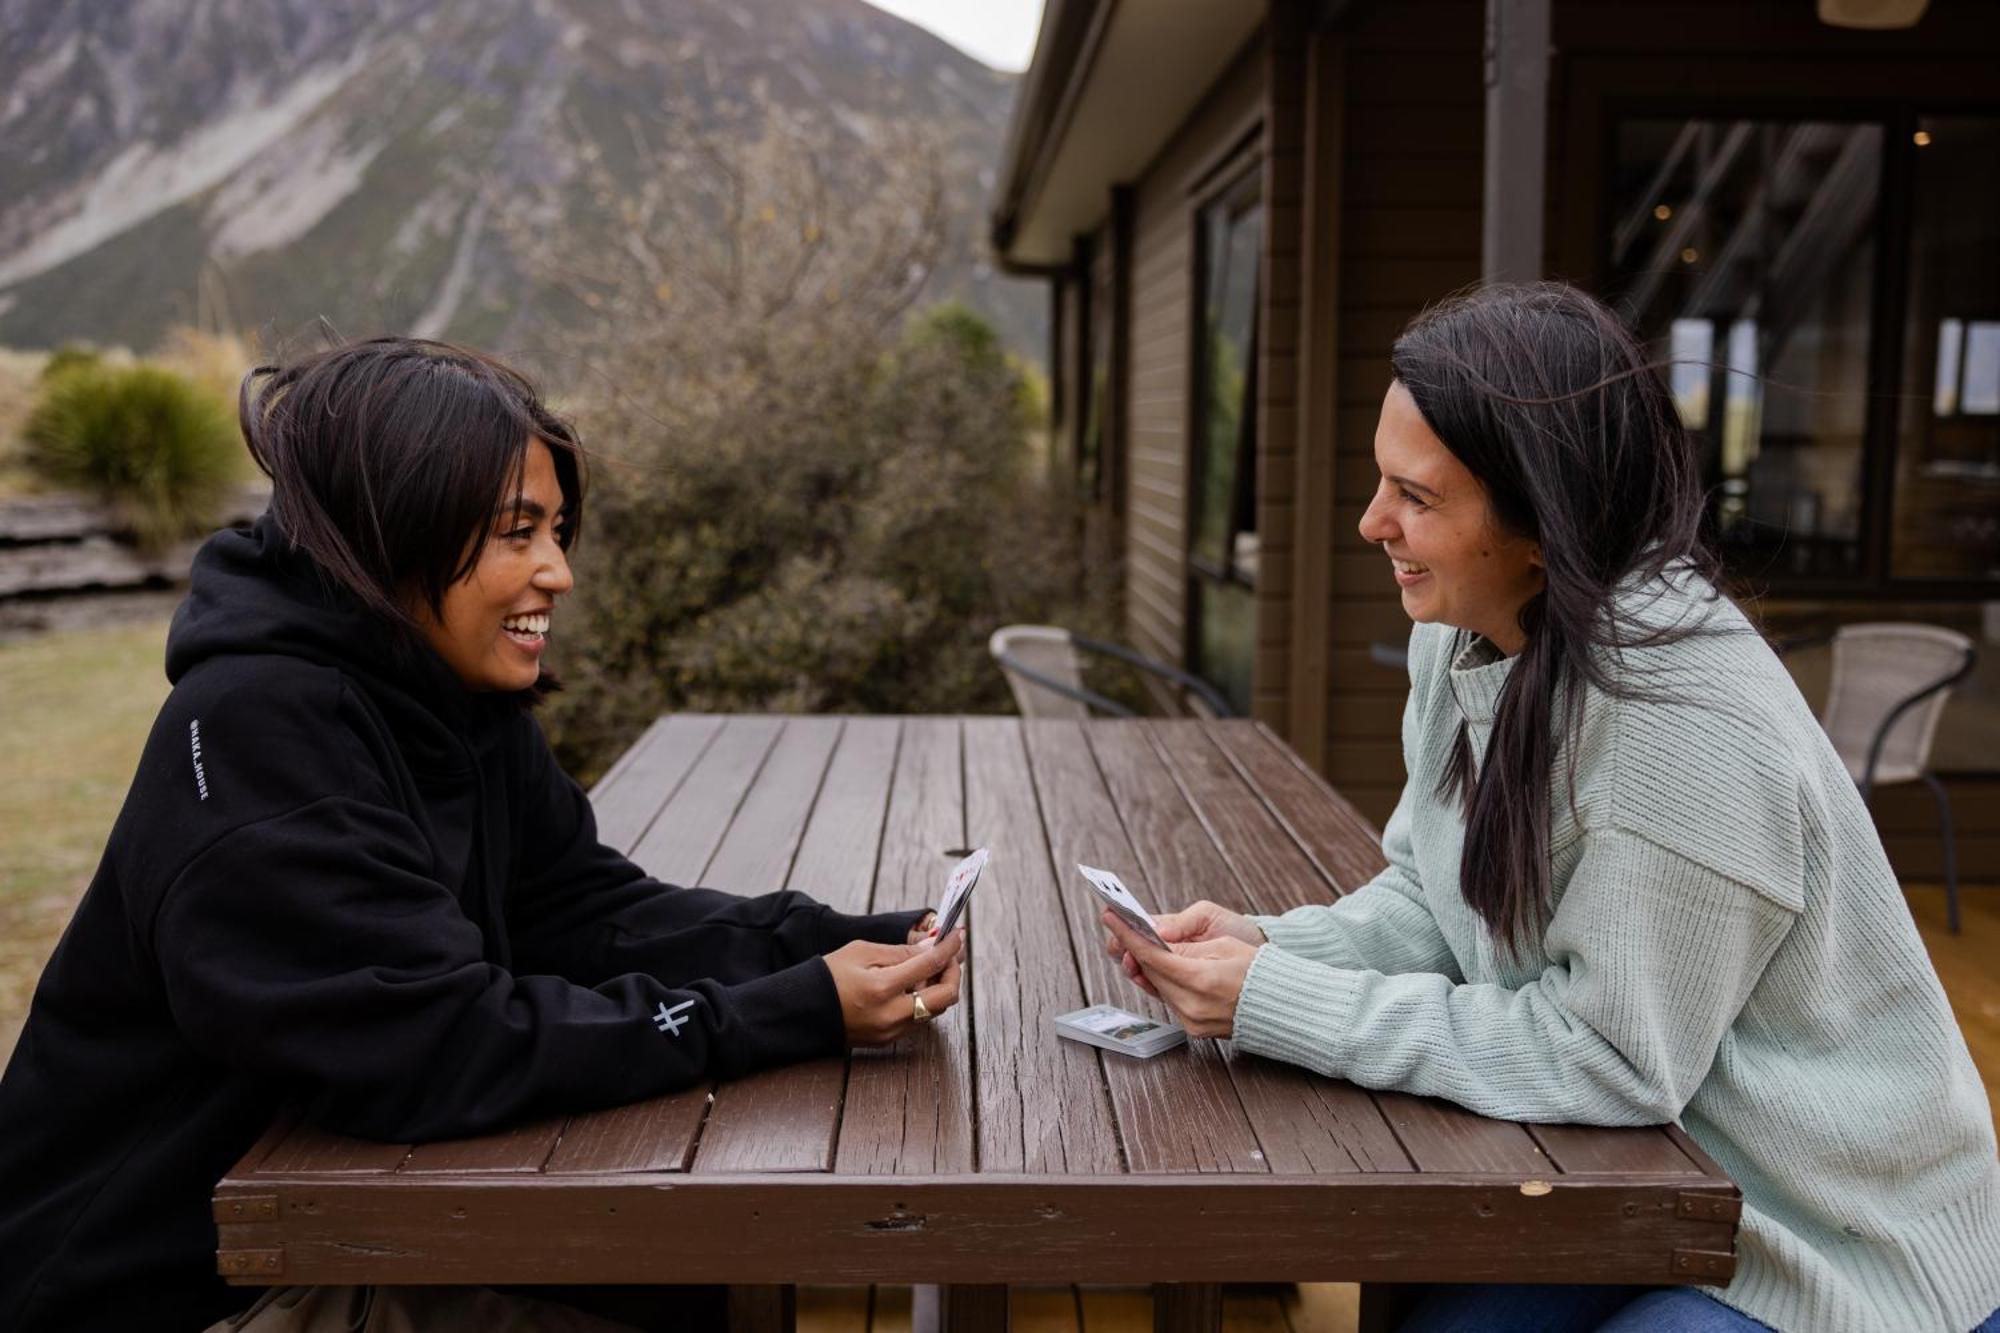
(390, 458)
(1549, 401)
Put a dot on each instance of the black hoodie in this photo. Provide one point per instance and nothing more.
(342, 881)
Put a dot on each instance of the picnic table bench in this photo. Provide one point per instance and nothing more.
(982, 1151)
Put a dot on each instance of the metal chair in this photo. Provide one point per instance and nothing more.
(1890, 684)
(1044, 667)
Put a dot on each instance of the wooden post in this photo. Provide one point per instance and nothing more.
(1186, 1307)
(763, 1309)
(1517, 115)
(975, 1309)
(1319, 394)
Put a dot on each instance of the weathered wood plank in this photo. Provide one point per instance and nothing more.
(1306, 1123)
(654, 1135)
(829, 1228)
(1273, 873)
(755, 857)
(522, 1150)
(691, 826)
(1043, 1106)
(646, 777)
(785, 1119)
(1594, 1148)
(756, 853)
(1107, 803)
(1440, 1137)
(909, 1105)
(308, 1148)
(836, 858)
(1344, 846)
(712, 805)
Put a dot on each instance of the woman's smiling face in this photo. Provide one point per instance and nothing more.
(1432, 518)
(494, 622)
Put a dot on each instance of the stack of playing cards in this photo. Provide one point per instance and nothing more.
(1120, 1030)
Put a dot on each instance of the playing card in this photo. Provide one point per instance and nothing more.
(1120, 900)
(957, 889)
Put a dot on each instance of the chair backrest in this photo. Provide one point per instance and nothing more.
(1045, 649)
(1876, 667)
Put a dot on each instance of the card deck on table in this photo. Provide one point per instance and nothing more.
(1120, 900)
(1116, 1029)
(957, 889)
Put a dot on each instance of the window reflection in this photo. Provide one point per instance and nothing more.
(1222, 541)
(1947, 499)
(1744, 251)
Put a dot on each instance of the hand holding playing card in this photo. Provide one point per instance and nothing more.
(1200, 982)
(1194, 924)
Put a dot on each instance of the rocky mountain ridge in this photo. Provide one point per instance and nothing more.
(262, 163)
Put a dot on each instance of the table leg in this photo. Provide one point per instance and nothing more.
(1187, 1307)
(773, 1309)
(1385, 1305)
(974, 1309)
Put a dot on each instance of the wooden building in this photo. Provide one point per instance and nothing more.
(1237, 206)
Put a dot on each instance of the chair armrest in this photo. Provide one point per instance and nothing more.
(1194, 685)
(1092, 698)
(1791, 643)
(1905, 705)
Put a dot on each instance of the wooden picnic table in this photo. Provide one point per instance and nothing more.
(982, 1150)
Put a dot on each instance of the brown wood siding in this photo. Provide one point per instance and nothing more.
(1410, 185)
(1411, 193)
(1157, 404)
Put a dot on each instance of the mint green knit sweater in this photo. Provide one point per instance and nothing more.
(1729, 949)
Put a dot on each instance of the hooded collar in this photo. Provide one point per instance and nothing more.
(251, 594)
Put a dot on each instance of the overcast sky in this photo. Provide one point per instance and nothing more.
(999, 32)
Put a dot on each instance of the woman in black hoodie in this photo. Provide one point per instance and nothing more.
(349, 875)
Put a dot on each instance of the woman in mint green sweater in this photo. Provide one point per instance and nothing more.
(1629, 880)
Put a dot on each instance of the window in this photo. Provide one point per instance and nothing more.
(1847, 448)
(1746, 251)
(1946, 522)
(1222, 519)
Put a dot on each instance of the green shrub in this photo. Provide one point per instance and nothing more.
(148, 442)
(68, 357)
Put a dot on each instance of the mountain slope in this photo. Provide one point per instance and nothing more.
(266, 162)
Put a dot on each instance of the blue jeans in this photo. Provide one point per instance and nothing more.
(1501, 1308)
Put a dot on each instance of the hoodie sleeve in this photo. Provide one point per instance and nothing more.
(314, 946)
(582, 910)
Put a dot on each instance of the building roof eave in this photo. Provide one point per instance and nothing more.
(1109, 84)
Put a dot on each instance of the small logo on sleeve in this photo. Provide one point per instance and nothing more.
(194, 747)
(669, 1020)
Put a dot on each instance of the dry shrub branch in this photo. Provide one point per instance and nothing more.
(809, 494)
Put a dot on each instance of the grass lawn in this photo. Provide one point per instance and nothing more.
(75, 708)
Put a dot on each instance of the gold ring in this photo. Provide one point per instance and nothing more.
(918, 1010)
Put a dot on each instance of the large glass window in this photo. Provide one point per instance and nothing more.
(1222, 526)
(1838, 358)
(1745, 250)
(1947, 497)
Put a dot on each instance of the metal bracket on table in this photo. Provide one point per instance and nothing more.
(1709, 1207)
(250, 1263)
(1703, 1263)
